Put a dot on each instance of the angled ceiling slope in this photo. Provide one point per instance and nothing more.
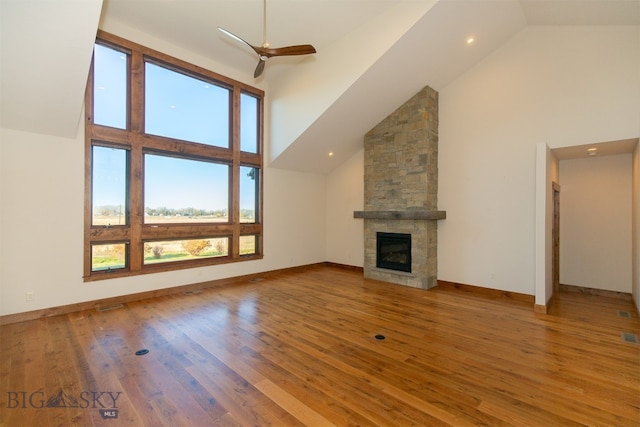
(46, 53)
(310, 91)
(433, 51)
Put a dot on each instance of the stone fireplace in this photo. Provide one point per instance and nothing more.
(401, 192)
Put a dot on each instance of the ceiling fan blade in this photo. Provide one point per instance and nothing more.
(259, 69)
(233, 36)
(303, 49)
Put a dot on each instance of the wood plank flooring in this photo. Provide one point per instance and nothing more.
(299, 348)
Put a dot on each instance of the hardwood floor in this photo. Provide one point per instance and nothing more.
(300, 349)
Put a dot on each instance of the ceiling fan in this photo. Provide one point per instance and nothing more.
(264, 51)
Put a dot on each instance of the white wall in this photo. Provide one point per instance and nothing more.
(546, 175)
(595, 222)
(294, 216)
(559, 85)
(345, 194)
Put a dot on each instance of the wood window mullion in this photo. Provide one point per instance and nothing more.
(136, 171)
(88, 173)
(234, 217)
(136, 196)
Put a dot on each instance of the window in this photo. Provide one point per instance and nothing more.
(183, 107)
(178, 190)
(110, 86)
(109, 186)
(173, 167)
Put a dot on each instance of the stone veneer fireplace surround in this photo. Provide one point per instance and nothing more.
(401, 189)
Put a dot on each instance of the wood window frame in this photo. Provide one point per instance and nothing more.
(133, 139)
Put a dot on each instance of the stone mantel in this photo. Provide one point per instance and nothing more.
(410, 214)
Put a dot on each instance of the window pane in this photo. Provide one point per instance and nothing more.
(248, 123)
(110, 87)
(109, 186)
(249, 178)
(180, 190)
(182, 107)
(248, 245)
(183, 250)
(108, 257)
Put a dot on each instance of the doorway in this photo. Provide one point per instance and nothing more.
(555, 237)
(547, 256)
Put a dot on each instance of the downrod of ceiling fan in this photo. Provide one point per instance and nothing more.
(264, 24)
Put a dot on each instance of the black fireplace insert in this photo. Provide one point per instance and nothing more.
(393, 251)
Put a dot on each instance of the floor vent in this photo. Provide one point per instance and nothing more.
(256, 279)
(193, 292)
(624, 314)
(110, 307)
(629, 337)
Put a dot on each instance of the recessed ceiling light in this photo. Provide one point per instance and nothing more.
(470, 40)
(330, 153)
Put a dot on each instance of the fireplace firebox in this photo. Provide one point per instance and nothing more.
(393, 251)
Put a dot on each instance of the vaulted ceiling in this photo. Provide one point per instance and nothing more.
(372, 56)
